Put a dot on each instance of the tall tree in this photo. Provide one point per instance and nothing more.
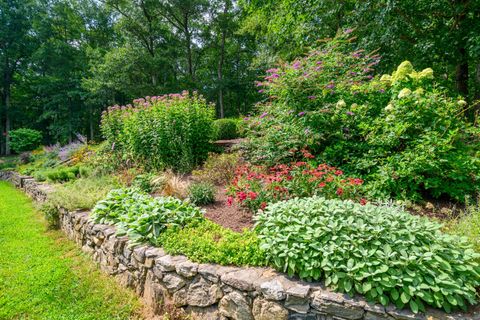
(16, 44)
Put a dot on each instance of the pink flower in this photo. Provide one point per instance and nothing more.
(339, 191)
(229, 201)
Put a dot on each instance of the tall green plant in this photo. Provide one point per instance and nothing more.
(170, 131)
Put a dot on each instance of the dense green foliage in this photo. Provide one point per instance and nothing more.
(64, 61)
(142, 217)
(210, 243)
(172, 131)
(401, 132)
(24, 139)
(441, 33)
(201, 193)
(218, 169)
(381, 252)
(226, 129)
(45, 276)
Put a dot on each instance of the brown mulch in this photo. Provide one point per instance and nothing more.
(437, 209)
(231, 217)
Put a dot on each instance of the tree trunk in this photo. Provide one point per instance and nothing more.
(91, 122)
(476, 108)
(462, 74)
(7, 118)
(220, 63)
(188, 39)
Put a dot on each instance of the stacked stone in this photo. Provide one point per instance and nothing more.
(209, 291)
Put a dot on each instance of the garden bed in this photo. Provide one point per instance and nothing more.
(211, 291)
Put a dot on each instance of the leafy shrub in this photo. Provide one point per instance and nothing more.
(142, 217)
(171, 131)
(201, 193)
(218, 169)
(210, 243)
(226, 129)
(255, 186)
(24, 139)
(82, 193)
(400, 132)
(62, 174)
(51, 212)
(383, 253)
(144, 182)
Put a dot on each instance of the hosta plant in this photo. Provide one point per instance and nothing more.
(142, 217)
(381, 252)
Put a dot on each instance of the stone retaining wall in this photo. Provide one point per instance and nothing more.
(209, 291)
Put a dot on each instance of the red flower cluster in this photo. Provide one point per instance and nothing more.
(255, 186)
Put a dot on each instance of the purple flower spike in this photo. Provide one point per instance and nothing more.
(312, 97)
(296, 65)
(349, 30)
(263, 115)
(261, 91)
(350, 113)
(301, 114)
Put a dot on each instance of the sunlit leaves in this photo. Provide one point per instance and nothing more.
(381, 252)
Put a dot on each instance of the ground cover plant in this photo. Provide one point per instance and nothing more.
(45, 276)
(255, 186)
(80, 194)
(142, 217)
(172, 131)
(381, 252)
(401, 132)
(209, 242)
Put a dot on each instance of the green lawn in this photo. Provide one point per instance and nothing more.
(45, 276)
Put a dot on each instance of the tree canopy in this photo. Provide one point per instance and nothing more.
(62, 62)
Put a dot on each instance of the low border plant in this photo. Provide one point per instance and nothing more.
(383, 253)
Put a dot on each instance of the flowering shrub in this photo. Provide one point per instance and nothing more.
(383, 253)
(399, 132)
(255, 186)
(170, 131)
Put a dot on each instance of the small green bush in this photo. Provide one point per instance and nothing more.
(226, 129)
(51, 212)
(25, 139)
(201, 193)
(144, 182)
(62, 174)
(218, 169)
(210, 243)
(381, 252)
(142, 217)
